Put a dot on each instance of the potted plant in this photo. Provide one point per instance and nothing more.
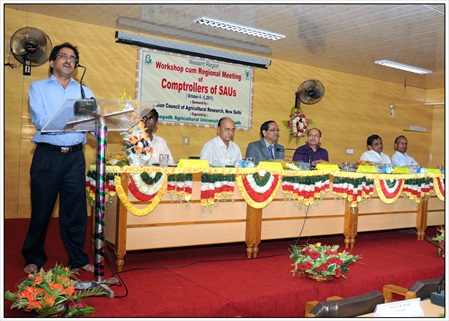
(321, 262)
(52, 293)
(438, 240)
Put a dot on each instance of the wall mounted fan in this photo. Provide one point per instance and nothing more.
(31, 47)
(309, 92)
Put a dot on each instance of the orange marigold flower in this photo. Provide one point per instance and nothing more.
(32, 305)
(70, 290)
(39, 278)
(49, 300)
(38, 291)
(56, 286)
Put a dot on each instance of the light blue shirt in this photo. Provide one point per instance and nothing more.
(402, 159)
(45, 97)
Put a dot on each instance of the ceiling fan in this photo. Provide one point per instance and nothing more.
(309, 92)
(31, 47)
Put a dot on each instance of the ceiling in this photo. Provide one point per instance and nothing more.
(340, 37)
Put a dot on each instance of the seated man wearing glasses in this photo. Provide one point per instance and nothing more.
(148, 149)
(221, 151)
(311, 151)
(267, 148)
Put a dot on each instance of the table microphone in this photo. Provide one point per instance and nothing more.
(438, 296)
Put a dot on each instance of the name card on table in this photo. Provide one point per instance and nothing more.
(270, 165)
(401, 170)
(366, 169)
(329, 167)
(400, 309)
(197, 163)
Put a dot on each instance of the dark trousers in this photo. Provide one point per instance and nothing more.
(54, 173)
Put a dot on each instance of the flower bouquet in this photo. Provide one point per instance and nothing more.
(52, 293)
(137, 145)
(297, 125)
(321, 262)
(438, 240)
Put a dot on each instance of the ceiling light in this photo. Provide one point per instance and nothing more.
(397, 65)
(239, 28)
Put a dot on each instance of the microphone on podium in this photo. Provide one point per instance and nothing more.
(83, 95)
(85, 106)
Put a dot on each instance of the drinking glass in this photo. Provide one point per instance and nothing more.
(163, 160)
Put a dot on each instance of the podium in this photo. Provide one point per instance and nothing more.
(98, 116)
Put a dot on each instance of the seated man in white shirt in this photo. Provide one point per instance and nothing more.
(400, 157)
(374, 154)
(222, 151)
(150, 144)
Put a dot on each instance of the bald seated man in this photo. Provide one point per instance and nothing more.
(221, 151)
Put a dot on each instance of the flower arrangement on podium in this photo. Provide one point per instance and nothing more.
(297, 124)
(321, 262)
(137, 145)
(52, 293)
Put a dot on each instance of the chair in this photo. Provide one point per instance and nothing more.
(420, 289)
(337, 307)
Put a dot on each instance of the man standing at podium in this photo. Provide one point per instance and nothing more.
(58, 166)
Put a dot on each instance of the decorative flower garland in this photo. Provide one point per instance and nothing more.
(306, 188)
(256, 192)
(91, 183)
(297, 125)
(130, 207)
(353, 189)
(438, 185)
(418, 188)
(145, 186)
(180, 184)
(389, 189)
(216, 187)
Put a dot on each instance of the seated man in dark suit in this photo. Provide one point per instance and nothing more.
(267, 148)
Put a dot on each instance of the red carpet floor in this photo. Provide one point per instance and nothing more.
(218, 281)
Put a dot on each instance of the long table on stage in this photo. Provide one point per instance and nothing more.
(180, 213)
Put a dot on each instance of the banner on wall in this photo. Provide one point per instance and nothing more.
(195, 90)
